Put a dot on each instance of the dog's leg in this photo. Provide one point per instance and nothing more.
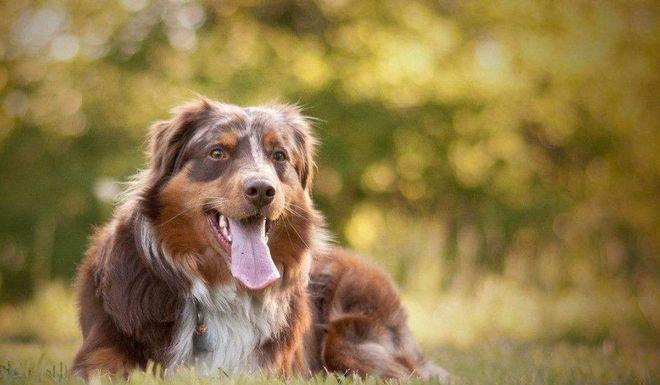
(99, 356)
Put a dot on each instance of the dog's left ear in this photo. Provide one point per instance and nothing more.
(305, 142)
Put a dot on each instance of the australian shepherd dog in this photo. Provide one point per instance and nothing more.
(217, 260)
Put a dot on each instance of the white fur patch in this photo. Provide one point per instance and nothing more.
(257, 153)
(261, 164)
(238, 323)
(154, 251)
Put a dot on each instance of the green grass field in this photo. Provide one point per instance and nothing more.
(38, 340)
(491, 363)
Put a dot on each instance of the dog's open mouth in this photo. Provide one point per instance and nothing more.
(221, 228)
(246, 242)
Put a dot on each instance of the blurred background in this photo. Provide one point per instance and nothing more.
(500, 158)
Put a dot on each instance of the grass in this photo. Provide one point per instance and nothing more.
(500, 335)
(491, 363)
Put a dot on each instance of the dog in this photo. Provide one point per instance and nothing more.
(216, 259)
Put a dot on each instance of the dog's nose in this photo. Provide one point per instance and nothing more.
(259, 191)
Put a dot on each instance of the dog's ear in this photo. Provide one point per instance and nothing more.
(305, 142)
(167, 138)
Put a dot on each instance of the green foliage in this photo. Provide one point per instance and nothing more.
(460, 139)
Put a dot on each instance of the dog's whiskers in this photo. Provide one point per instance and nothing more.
(291, 209)
(296, 231)
(213, 203)
(187, 210)
(184, 211)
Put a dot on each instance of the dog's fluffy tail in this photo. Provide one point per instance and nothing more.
(365, 328)
(357, 344)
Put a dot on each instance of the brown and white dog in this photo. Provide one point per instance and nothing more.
(217, 260)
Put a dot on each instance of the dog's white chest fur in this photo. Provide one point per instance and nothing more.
(237, 324)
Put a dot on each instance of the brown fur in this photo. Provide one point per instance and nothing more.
(131, 297)
(361, 325)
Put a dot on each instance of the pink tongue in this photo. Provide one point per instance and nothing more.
(251, 262)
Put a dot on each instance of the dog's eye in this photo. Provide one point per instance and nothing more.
(279, 156)
(217, 153)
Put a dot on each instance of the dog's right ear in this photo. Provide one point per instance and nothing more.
(167, 138)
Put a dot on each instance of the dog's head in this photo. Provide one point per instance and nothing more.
(228, 190)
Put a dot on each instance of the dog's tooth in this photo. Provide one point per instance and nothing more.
(225, 233)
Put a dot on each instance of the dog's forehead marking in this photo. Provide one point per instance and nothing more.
(256, 122)
(255, 146)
